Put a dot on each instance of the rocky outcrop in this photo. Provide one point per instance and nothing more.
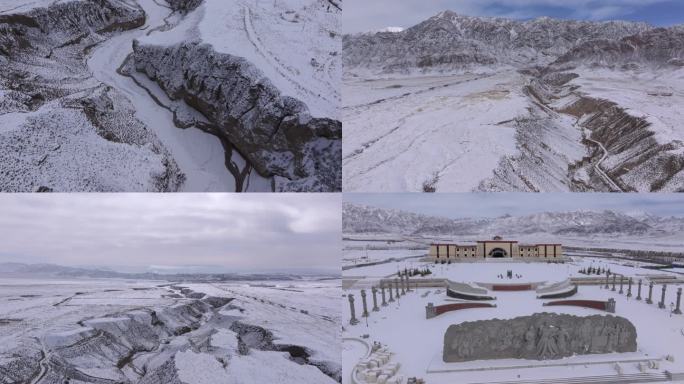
(541, 336)
(274, 132)
(217, 302)
(64, 23)
(636, 160)
(184, 6)
(255, 337)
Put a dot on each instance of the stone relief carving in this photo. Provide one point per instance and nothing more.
(541, 336)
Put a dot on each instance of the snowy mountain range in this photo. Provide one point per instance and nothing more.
(357, 219)
(448, 41)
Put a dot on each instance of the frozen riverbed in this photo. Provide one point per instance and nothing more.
(199, 155)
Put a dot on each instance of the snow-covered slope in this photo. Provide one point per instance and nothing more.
(61, 129)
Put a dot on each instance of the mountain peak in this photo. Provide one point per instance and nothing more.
(446, 14)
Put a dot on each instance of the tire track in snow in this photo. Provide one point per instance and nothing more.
(419, 92)
(600, 171)
(253, 38)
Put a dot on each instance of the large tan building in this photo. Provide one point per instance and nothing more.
(495, 248)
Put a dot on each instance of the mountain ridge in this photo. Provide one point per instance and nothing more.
(358, 218)
(449, 41)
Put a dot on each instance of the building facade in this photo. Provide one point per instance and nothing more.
(495, 248)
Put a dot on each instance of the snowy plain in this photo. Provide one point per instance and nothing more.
(448, 132)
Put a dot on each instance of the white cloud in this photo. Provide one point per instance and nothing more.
(229, 230)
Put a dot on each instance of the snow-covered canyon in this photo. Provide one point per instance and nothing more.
(81, 112)
(55, 331)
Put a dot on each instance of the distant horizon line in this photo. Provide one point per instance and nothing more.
(179, 270)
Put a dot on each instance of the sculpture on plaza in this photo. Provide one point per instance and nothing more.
(541, 336)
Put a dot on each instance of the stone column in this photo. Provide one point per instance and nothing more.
(639, 291)
(353, 320)
(396, 287)
(408, 284)
(622, 279)
(607, 279)
(662, 298)
(679, 298)
(391, 300)
(629, 288)
(403, 289)
(375, 299)
(430, 311)
(365, 306)
(614, 278)
(382, 287)
(650, 293)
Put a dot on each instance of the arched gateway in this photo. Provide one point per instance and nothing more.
(498, 252)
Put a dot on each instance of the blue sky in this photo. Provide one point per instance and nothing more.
(455, 205)
(367, 15)
(173, 232)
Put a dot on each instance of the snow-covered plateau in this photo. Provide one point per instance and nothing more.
(460, 103)
(56, 331)
(177, 95)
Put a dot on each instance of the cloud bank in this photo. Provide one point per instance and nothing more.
(223, 232)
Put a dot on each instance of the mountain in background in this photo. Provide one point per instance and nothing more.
(449, 41)
(358, 219)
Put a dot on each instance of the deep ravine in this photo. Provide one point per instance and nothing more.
(200, 156)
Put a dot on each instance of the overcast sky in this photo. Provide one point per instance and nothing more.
(173, 232)
(455, 205)
(368, 15)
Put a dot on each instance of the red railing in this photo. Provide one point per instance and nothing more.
(512, 287)
(594, 304)
(455, 307)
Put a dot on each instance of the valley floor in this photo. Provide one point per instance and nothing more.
(508, 131)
